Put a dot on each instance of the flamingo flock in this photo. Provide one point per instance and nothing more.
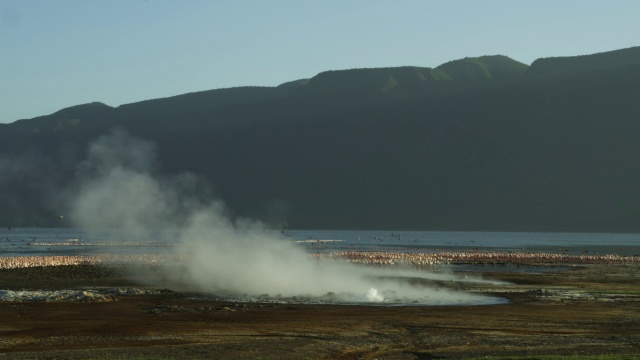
(35, 261)
(418, 260)
(429, 260)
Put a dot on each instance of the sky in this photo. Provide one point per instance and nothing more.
(56, 54)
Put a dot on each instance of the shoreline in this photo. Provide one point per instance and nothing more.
(585, 309)
(416, 259)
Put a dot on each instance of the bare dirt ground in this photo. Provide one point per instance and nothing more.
(586, 309)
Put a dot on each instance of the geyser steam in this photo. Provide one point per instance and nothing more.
(119, 189)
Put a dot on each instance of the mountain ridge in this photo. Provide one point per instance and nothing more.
(554, 66)
(598, 61)
(395, 148)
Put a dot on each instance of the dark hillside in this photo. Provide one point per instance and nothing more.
(471, 145)
(484, 67)
(379, 84)
(49, 132)
(579, 64)
(203, 100)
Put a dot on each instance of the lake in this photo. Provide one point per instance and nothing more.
(70, 241)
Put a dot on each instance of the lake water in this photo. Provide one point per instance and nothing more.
(65, 241)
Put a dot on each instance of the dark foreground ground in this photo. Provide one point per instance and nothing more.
(590, 309)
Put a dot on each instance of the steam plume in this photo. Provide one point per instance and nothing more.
(120, 189)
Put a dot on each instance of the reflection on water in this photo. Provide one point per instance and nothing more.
(421, 241)
(65, 241)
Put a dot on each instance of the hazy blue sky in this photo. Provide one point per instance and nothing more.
(54, 54)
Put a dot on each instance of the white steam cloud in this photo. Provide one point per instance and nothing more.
(119, 189)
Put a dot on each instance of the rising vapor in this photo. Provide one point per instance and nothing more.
(119, 188)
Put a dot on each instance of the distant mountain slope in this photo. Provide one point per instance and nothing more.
(372, 80)
(481, 143)
(484, 67)
(65, 118)
(555, 66)
(202, 100)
